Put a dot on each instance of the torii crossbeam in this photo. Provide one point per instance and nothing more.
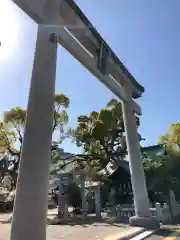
(61, 21)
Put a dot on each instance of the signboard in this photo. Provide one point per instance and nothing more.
(65, 178)
(102, 58)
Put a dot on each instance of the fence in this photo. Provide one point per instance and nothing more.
(162, 214)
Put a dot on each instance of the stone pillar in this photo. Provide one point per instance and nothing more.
(141, 202)
(98, 202)
(159, 212)
(66, 212)
(61, 201)
(173, 203)
(83, 197)
(31, 201)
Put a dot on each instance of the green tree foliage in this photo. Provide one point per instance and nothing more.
(7, 138)
(60, 119)
(12, 131)
(102, 136)
(162, 174)
(3, 167)
(171, 139)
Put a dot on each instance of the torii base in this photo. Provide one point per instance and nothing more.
(149, 223)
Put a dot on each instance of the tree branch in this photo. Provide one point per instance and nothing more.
(84, 158)
(54, 117)
(18, 131)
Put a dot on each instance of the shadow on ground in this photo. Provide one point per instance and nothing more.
(164, 232)
(108, 222)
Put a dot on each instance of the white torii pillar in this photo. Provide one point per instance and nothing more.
(31, 198)
(31, 201)
(141, 201)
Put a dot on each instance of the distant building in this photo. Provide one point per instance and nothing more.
(121, 176)
(154, 150)
(67, 159)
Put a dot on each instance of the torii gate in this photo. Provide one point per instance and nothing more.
(61, 21)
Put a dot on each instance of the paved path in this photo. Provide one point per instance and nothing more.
(78, 230)
(95, 231)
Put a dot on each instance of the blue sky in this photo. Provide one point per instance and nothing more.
(145, 36)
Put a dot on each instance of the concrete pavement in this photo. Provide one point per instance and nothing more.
(171, 232)
(89, 229)
(92, 230)
(95, 231)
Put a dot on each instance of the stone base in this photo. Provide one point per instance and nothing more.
(150, 223)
